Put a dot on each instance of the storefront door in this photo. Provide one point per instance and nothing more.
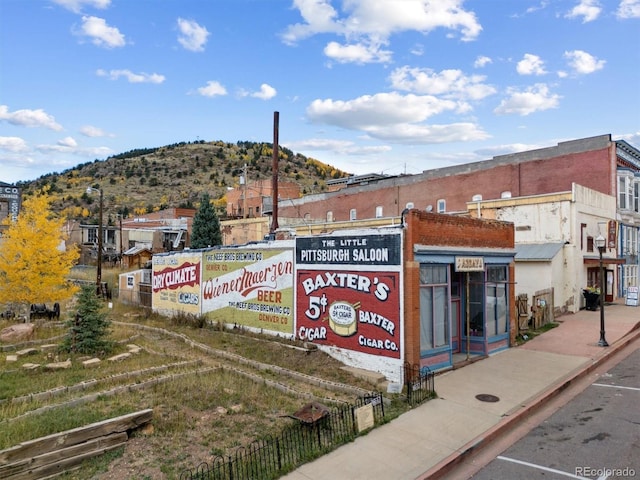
(456, 318)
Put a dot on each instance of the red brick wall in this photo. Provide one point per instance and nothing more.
(449, 230)
(446, 230)
(593, 169)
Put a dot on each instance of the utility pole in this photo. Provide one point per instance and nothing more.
(91, 190)
(120, 215)
(274, 220)
(243, 182)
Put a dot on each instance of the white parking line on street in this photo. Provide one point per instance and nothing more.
(546, 469)
(615, 386)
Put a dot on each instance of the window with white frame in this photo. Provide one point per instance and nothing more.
(352, 214)
(622, 192)
(630, 276)
(329, 216)
(379, 211)
(434, 306)
(442, 205)
(629, 239)
(628, 192)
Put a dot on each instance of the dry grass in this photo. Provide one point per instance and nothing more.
(201, 406)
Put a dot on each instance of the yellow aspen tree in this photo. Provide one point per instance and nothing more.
(34, 264)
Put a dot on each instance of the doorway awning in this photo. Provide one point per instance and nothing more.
(537, 252)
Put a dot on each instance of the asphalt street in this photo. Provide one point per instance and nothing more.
(594, 436)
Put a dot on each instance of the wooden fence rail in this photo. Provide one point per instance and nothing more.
(57, 453)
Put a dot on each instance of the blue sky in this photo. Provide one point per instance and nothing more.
(368, 86)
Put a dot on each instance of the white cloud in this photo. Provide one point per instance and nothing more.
(12, 162)
(583, 63)
(68, 142)
(538, 7)
(336, 146)
(589, 10)
(69, 146)
(359, 53)
(482, 61)
(531, 65)
(266, 92)
(506, 149)
(91, 131)
(417, 50)
(421, 134)
(29, 118)
(533, 99)
(132, 77)
(319, 17)
(394, 117)
(380, 109)
(448, 83)
(366, 25)
(212, 89)
(632, 138)
(76, 5)
(13, 144)
(192, 36)
(101, 34)
(628, 9)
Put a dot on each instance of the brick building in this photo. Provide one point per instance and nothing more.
(590, 162)
(596, 164)
(430, 290)
(459, 287)
(254, 199)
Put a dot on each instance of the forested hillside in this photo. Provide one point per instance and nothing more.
(150, 179)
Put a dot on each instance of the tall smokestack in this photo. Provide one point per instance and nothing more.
(274, 220)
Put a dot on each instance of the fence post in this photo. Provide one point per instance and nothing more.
(278, 454)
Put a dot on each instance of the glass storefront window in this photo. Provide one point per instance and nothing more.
(496, 301)
(434, 306)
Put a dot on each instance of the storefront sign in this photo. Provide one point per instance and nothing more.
(469, 264)
(349, 250)
(355, 310)
(612, 231)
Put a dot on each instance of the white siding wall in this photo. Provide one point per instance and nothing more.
(559, 218)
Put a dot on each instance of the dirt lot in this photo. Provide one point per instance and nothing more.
(211, 391)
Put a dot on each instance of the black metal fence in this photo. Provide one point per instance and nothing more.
(272, 457)
(419, 383)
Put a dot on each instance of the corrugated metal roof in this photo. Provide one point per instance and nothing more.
(136, 250)
(537, 252)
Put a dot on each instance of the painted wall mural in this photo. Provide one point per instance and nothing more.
(249, 287)
(176, 282)
(348, 293)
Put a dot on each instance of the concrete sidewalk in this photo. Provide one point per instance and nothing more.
(433, 436)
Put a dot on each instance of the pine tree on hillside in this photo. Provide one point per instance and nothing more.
(206, 226)
(88, 329)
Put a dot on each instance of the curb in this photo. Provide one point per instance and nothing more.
(443, 467)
